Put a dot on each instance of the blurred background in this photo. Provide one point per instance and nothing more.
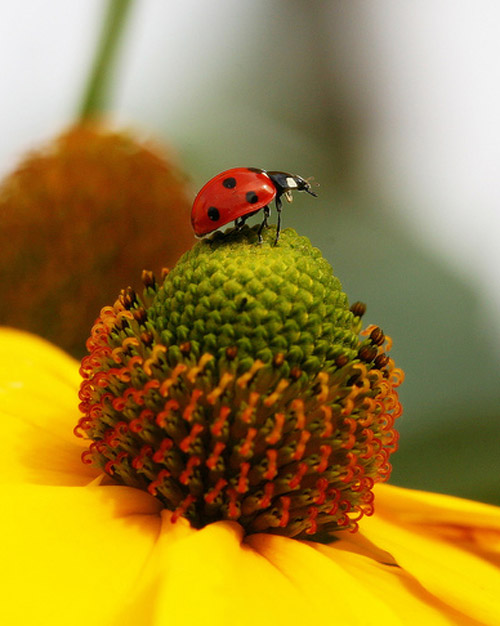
(392, 106)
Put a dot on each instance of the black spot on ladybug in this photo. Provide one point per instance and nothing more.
(229, 183)
(252, 197)
(213, 214)
(257, 170)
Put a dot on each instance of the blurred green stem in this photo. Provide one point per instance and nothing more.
(96, 92)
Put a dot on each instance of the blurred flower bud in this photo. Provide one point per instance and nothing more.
(77, 219)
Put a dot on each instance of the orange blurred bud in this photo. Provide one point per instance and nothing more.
(78, 219)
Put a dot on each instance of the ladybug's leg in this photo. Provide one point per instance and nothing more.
(239, 222)
(267, 213)
(278, 227)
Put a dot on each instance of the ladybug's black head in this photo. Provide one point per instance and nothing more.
(304, 185)
(289, 182)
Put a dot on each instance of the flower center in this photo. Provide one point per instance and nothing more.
(224, 433)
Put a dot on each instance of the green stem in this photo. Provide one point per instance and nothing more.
(95, 95)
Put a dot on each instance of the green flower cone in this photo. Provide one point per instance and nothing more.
(240, 388)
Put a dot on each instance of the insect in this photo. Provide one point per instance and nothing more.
(238, 193)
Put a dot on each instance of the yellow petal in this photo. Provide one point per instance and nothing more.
(215, 577)
(399, 589)
(464, 581)
(209, 577)
(412, 505)
(473, 525)
(38, 410)
(72, 555)
(349, 588)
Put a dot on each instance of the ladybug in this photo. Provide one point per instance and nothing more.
(238, 193)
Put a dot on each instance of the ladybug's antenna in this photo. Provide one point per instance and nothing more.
(311, 182)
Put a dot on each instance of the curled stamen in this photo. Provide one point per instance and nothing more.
(325, 455)
(274, 396)
(195, 371)
(221, 420)
(181, 510)
(163, 416)
(297, 407)
(186, 443)
(301, 445)
(272, 469)
(214, 457)
(185, 476)
(247, 413)
(295, 482)
(247, 377)
(214, 493)
(219, 389)
(274, 436)
(246, 448)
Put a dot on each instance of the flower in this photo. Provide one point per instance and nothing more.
(239, 389)
(80, 548)
(75, 214)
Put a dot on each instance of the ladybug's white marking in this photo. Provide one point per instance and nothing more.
(291, 182)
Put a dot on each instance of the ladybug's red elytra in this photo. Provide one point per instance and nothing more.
(238, 193)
